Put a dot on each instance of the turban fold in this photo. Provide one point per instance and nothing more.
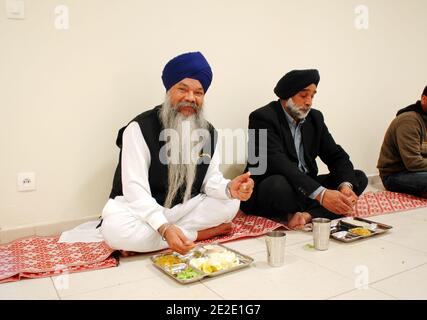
(188, 65)
(295, 81)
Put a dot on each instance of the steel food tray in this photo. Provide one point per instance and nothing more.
(342, 229)
(183, 263)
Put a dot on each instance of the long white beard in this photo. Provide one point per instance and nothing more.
(295, 110)
(183, 171)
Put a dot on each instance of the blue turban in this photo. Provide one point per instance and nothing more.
(188, 65)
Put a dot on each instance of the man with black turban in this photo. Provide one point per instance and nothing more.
(168, 190)
(296, 135)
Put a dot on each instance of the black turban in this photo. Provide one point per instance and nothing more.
(295, 81)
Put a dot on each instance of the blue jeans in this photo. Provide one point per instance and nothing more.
(414, 183)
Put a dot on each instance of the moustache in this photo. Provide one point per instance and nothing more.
(192, 105)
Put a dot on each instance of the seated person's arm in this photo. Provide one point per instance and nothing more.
(408, 137)
(136, 189)
(277, 160)
(337, 160)
(216, 186)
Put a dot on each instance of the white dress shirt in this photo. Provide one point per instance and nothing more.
(135, 164)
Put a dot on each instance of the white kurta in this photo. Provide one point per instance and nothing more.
(130, 222)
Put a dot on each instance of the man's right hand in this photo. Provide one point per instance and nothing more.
(337, 202)
(176, 239)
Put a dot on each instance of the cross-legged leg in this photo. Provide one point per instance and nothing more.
(275, 196)
(414, 183)
(123, 230)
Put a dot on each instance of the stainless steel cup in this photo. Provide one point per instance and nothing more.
(321, 233)
(275, 241)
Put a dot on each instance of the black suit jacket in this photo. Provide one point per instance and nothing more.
(281, 155)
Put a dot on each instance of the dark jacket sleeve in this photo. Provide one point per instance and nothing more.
(333, 155)
(278, 161)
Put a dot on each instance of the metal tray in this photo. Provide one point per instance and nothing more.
(340, 229)
(199, 251)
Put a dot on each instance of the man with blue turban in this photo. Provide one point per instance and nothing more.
(168, 190)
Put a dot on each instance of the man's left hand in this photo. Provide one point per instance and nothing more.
(242, 186)
(349, 193)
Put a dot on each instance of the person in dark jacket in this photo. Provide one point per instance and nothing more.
(403, 158)
(291, 187)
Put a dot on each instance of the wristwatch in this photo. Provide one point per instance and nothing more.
(348, 184)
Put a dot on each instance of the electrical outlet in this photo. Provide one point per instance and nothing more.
(26, 181)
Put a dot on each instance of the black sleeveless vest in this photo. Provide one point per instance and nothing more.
(151, 127)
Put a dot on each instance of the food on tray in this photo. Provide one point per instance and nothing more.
(200, 262)
(373, 227)
(195, 253)
(366, 225)
(361, 232)
(187, 274)
(340, 234)
(168, 260)
(212, 247)
(176, 268)
(354, 229)
(215, 260)
(356, 223)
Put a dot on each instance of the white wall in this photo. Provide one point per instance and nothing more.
(64, 94)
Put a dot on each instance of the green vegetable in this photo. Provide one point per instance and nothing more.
(187, 274)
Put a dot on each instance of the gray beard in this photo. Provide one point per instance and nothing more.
(182, 173)
(295, 110)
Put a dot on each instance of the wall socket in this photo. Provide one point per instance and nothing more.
(26, 181)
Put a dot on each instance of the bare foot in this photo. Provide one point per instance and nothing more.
(127, 253)
(223, 228)
(299, 220)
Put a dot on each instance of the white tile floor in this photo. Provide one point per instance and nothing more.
(391, 266)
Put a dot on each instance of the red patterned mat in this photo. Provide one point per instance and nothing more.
(382, 202)
(369, 204)
(245, 226)
(38, 257)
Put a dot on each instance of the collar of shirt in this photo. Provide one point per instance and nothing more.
(297, 136)
(291, 120)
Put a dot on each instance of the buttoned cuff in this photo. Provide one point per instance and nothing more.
(317, 192)
(156, 220)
